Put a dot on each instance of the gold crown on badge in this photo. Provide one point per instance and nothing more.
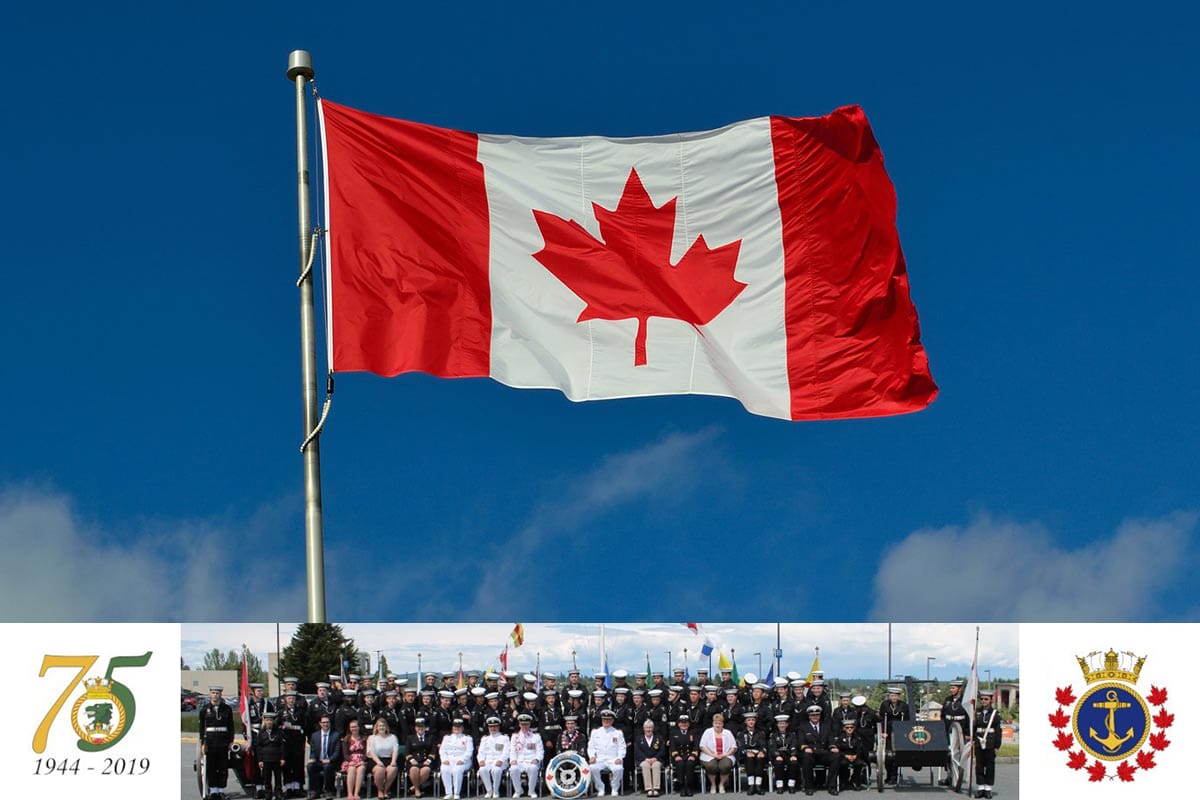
(1111, 666)
(98, 687)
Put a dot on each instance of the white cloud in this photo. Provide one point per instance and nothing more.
(60, 567)
(669, 468)
(847, 650)
(999, 570)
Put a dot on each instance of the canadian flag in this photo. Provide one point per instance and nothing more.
(759, 261)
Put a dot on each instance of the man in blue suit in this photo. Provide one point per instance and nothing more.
(324, 754)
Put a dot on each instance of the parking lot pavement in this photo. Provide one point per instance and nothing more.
(915, 783)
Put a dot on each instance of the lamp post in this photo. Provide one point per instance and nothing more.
(989, 678)
(669, 670)
(759, 654)
(928, 659)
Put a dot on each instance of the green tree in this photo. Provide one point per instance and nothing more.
(315, 652)
(215, 660)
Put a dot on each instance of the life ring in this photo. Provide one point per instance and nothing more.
(568, 775)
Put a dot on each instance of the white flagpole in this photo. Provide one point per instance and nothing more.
(300, 72)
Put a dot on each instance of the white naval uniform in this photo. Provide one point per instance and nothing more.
(493, 761)
(606, 749)
(525, 755)
(455, 754)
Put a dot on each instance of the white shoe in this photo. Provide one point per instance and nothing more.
(614, 792)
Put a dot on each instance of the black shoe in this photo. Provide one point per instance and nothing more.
(833, 790)
(987, 793)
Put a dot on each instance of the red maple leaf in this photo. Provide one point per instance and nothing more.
(1157, 696)
(1164, 720)
(1145, 759)
(1096, 771)
(1064, 696)
(1064, 741)
(1076, 759)
(1125, 771)
(1058, 719)
(1159, 741)
(629, 275)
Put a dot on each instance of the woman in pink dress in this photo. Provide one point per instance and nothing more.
(354, 760)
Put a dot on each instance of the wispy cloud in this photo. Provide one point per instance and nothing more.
(1001, 570)
(63, 568)
(669, 469)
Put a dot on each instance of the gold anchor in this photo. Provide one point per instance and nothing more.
(1112, 741)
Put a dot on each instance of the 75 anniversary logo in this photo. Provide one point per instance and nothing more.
(103, 711)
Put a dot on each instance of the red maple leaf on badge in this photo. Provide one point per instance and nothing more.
(1145, 759)
(1157, 696)
(1125, 771)
(1058, 719)
(629, 275)
(1077, 759)
(1064, 741)
(1096, 771)
(1159, 741)
(1064, 696)
(1164, 720)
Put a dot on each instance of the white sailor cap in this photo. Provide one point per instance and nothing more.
(269, 715)
(529, 677)
(490, 676)
(320, 685)
(600, 693)
(655, 692)
(510, 673)
(446, 693)
(782, 718)
(793, 676)
(893, 690)
(524, 718)
(448, 674)
(349, 692)
(986, 693)
(848, 721)
(711, 688)
(492, 696)
(575, 693)
(750, 678)
(478, 691)
(550, 676)
(608, 713)
(216, 688)
(818, 682)
(456, 722)
(814, 709)
(530, 696)
(795, 683)
(402, 681)
(493, 720)
(675, 687)
(622, 690)
(366, 691)
(762, 686)
(419, 722)
(684, 718)
(620, 674)
(459, 692)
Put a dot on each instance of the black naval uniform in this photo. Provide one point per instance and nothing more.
(290, 722)
(685, 755)
(269, 750)
(954, 712)
(216, 734)
(573, 740)
(549, 724)
(816, 747)
(851, 764)
(752, 753)
(987, 741)
(890, 713)
(783, 750)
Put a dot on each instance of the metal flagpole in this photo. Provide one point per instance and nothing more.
(300, 72)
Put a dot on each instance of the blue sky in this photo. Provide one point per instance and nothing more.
(1045, 166)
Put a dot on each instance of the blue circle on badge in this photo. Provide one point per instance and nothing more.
(1111, 721)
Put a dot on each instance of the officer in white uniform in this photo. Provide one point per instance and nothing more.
(455, 753)
(493, 758)
(606, 750)
(525, 754)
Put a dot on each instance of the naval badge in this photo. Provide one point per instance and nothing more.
(1110, 724)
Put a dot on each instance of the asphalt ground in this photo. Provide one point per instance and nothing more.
(913, 783)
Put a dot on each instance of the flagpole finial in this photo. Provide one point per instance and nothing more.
(300, 65)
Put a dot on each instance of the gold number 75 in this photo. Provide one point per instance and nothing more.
(84, 663)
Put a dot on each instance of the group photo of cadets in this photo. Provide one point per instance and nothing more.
(490, 735)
